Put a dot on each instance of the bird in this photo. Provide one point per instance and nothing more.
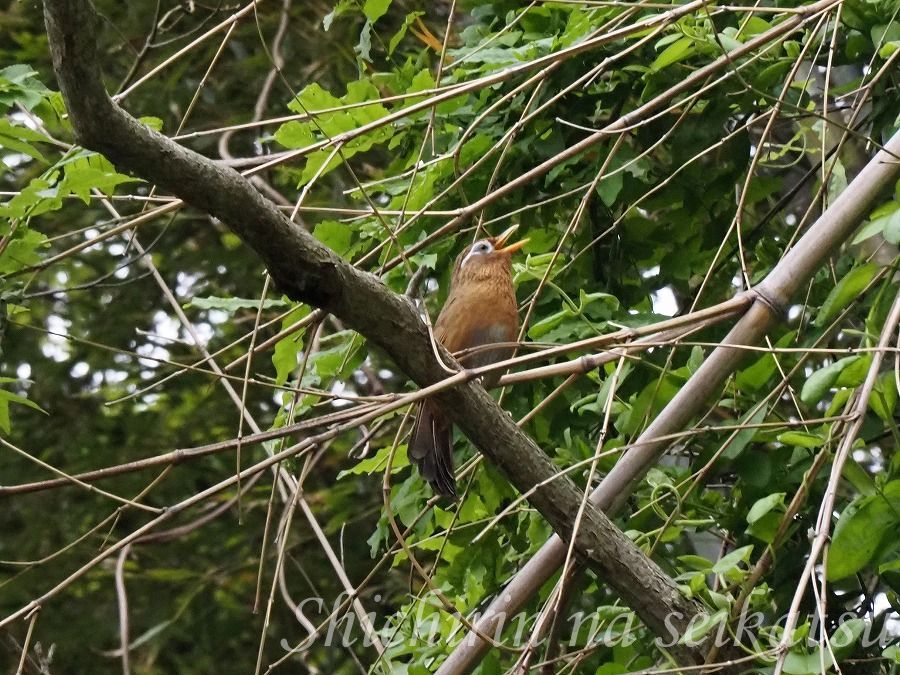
(480, 310)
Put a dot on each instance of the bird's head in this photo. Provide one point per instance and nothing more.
(487, 256)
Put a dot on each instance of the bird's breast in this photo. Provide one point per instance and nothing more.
(481, 310)
(479, 313)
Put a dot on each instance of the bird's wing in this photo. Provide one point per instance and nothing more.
(448, 316)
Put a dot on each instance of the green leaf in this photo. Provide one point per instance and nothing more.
(818, 384)
(846, 291)
(18, 85)
(622, 162)
(7, 397)
(333, 117)
(733, 560)
(423, 80)
(842, 640)
(729, 43)
(773, 74)
(375, 9)
(609, 187)
(892, 653)
(313, 99)
(858, 477)
(884, 396)
(677, 51)
(885, 32)
(757, 374)
(319, 163)
(878, 221)
(854, 373)
(154, 123)
(340, 360)
(743, 438)
(401, 32)
(763, 506)
(232, 305)
(860, 530)
(892, 228)
(846, 635)
(335, 235)
(287, 349)
(39, 196)
(841, 396)
(378, 462)
(791, 48)
(764, 517)
(342, 7)
(92, 172)
(755, 469)
(23, 250)
(284, 356)
(645, 405)
(801, 439)
(697, 629)
(597, 305)
(719, 600)
(797, 663)
(17, 73)
(5, 424)
(696, 562)
(295, 135)
(20, 139)
(363, 48)
(754, 26)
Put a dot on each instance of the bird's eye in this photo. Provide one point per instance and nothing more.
(479, 248)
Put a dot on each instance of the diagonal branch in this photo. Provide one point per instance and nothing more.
(773, 294)
(309, 272)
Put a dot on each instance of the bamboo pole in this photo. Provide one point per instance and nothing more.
(794, 270)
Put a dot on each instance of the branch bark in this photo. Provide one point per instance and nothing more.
(309, 272)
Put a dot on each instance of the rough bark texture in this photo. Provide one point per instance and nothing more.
(309, 272)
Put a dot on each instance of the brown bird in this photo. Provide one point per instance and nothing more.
(480, 310)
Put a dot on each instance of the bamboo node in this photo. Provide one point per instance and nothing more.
(776, 306)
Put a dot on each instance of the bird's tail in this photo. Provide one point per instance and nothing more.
(430, 447)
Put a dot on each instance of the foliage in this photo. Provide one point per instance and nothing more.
(683, 210)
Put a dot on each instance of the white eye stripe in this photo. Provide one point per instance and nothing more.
(482, 247)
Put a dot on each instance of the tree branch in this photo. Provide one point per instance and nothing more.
(773, 294)
(309, 272)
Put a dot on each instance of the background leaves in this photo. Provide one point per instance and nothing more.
(90, 337)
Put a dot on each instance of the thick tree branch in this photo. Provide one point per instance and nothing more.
(308, 271)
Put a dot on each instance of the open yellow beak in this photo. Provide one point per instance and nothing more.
(506, 234)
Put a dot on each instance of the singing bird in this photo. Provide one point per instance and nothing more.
(480, 310)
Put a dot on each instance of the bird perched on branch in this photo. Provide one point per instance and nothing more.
(480, 310)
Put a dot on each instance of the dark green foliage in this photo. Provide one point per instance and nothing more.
(656, 234)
